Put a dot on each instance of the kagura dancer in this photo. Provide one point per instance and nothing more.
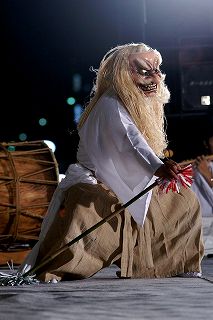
(122, 139)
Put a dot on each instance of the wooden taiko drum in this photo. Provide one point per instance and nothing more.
(28, 178)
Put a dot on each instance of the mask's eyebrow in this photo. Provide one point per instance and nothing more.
(143, 64)
(140, 65)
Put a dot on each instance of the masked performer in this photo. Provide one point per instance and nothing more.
(122, 139)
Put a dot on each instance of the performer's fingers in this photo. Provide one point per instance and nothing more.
(173, 174)
(167, 171)
(176, 165)
(170, 173)
(173, 166)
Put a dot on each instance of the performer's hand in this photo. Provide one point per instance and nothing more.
(168, 170)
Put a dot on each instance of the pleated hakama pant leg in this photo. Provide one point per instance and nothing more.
(85, 205)
(171, 239)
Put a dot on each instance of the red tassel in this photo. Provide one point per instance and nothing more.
(184, 179)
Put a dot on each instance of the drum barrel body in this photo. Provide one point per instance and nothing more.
(28, 178)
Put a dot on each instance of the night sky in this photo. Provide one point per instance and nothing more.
(46, 42)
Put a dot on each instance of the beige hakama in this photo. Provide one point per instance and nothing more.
(169, 243)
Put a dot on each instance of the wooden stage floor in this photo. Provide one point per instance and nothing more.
(104, 296)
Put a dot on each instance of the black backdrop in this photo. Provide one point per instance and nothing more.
(45, 42)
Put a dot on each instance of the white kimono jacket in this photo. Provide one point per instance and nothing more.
(113, 148)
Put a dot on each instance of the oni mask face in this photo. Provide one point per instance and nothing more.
(145, 71)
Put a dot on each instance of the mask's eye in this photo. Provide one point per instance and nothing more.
(149, 73)
(143, 72)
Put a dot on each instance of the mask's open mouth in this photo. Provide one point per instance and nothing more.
(148, 87)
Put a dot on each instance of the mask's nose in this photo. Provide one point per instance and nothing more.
(156, 78)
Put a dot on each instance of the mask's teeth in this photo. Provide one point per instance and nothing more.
(148, 87)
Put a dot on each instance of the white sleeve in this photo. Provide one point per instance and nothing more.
(132, 157)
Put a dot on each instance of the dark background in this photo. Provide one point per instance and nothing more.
(44, 43)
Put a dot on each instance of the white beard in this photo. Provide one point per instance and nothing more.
(162, 96)
(154, 123)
